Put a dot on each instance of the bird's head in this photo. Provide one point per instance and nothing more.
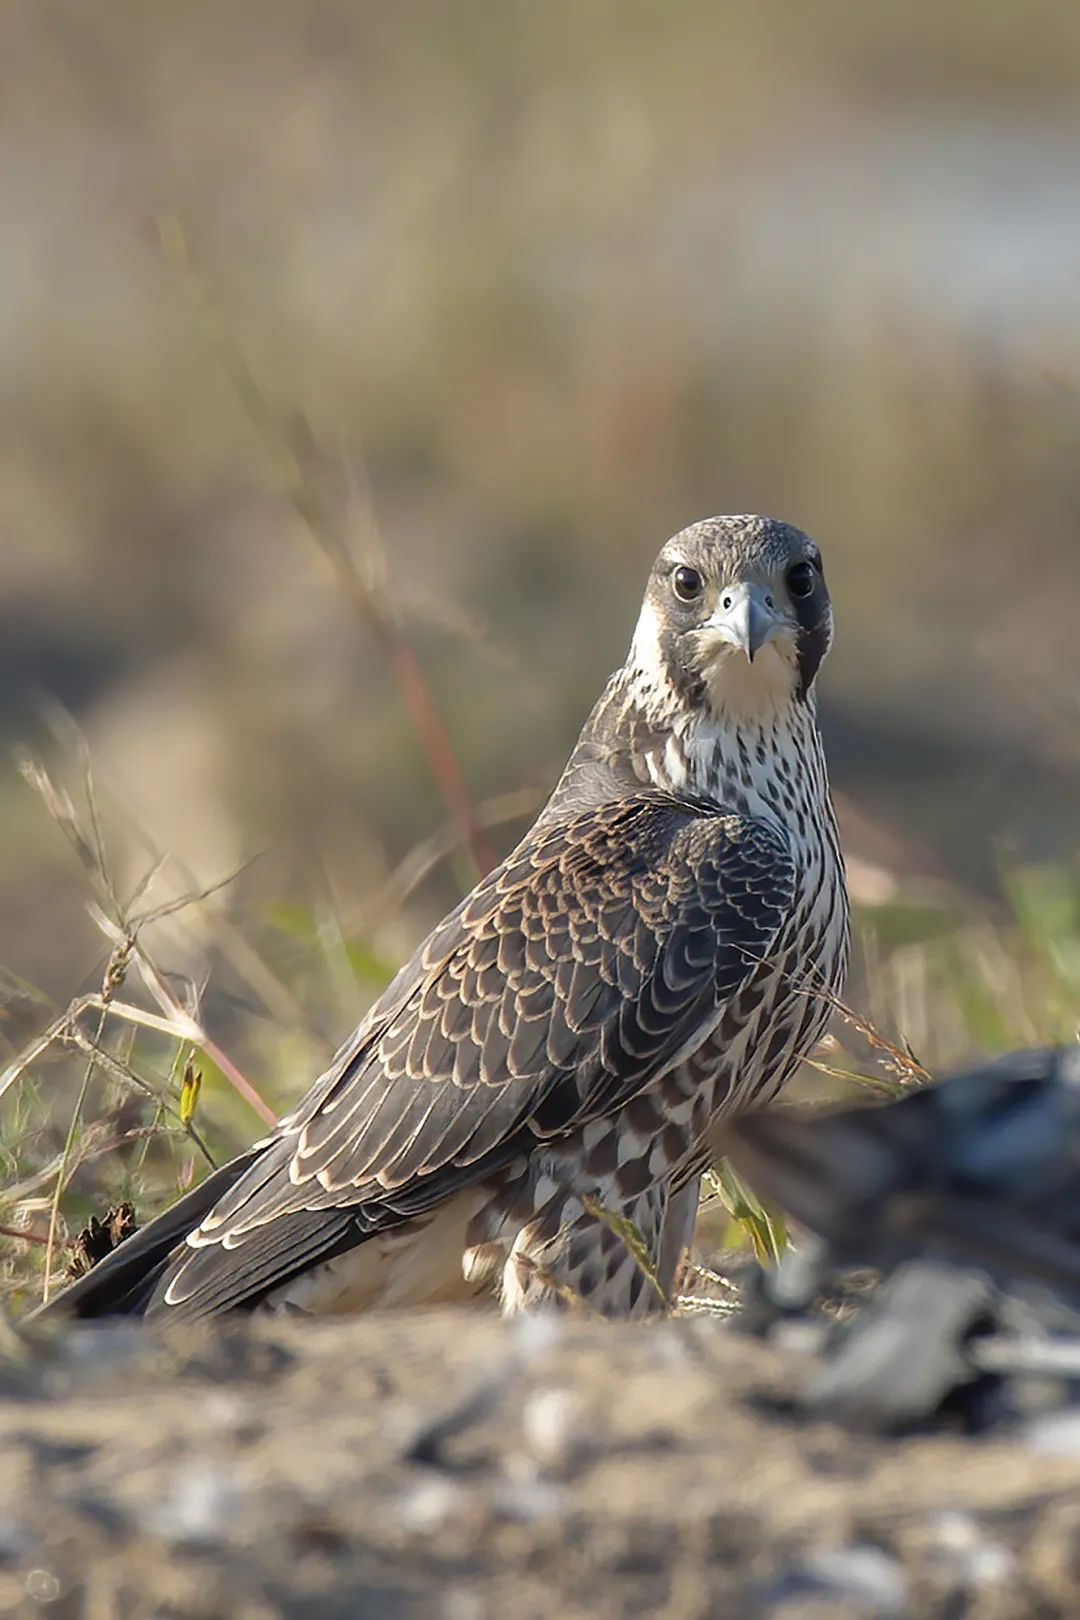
(736, 615)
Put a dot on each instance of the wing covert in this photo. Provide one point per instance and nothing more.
(580, 969)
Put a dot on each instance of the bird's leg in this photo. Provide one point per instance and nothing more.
(677, 1228)
(581, 1253)
(533, 1277)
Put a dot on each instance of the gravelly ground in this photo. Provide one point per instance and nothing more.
(448, 1465)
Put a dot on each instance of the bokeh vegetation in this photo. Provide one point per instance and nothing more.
(458, 312)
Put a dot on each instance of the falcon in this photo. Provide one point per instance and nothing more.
(657, 952)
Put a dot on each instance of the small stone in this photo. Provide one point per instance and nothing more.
(528, 1501)
(551, 1425)
(430, 1504)
(199, 1510)
(859, 1580)
(1056, 1434)
(975, 1557)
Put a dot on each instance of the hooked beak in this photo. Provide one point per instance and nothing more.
(748, 621)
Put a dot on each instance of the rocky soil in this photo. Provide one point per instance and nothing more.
(450, 1465)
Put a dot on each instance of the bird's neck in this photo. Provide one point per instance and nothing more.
(755, 758)
(770, 764)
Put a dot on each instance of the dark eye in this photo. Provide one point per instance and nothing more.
(687, 583)
(800, 580)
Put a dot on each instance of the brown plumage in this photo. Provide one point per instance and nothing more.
(654, 952)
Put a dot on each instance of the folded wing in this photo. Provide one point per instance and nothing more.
(577, 972)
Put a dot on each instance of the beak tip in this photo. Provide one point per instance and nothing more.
(748, 621)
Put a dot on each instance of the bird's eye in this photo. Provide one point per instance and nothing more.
(687, 583)
(800, 580)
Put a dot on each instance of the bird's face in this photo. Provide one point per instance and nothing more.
(736, 614)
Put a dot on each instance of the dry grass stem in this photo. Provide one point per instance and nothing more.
(346, 533)
(635, 1244)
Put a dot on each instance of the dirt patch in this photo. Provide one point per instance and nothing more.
(450, 1465)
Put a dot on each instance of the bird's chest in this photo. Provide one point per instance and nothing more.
(771, 770)
(760, 1034)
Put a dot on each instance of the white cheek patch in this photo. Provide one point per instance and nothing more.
(735, 686)
(646, 652)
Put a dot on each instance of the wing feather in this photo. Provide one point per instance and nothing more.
(596, 956)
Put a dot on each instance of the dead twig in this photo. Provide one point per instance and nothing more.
(632, 1240)
(25, 1237)
(115, 973)
(92, 1146)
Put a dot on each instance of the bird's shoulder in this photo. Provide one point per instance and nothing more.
(558, 941)
(637, 844)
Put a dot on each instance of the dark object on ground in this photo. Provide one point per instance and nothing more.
(966, 1198)
(100, 1237)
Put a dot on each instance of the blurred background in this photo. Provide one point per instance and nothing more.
(501, 295)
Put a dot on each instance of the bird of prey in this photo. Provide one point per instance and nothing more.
(659, 949)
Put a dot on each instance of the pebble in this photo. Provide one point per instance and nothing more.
(199, 1510)
(1056, 1434)
(551, 1423)
(430, 1504)
(856, 1580)
(975, 1557)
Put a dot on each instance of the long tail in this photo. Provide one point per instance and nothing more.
(123, 1282)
